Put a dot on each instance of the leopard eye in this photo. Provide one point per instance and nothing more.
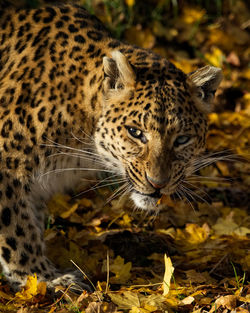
(136, 133)
(181, 140)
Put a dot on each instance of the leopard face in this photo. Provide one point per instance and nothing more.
(153, 127)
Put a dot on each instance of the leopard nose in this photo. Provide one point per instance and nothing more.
(157, 184)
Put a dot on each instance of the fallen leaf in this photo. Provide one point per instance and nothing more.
(215, 57)
(169, 270)
(227, 226)
(193, 234)
(127, 300)
(71, 210)
(121, 271)
(228, 302)
(31, 289)
(191, 15)
(187, 300)
(130, 3)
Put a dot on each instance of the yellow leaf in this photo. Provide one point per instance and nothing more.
(216, 57)
(185, 65)
(165, 200)
(193, 234)
(169, 269)
(121, 271)
(137, 310)
(150, 308)
(246, 73)
(71, 210)
(130, 3)
(52, 309)
(31, 289)
(246, 99)
(126, 220)
(187, 300)
(192, 15)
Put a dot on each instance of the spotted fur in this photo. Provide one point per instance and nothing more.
(61, 73)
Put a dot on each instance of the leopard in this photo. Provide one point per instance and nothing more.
(75, 102)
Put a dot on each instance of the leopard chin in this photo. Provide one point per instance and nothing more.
(144, 202)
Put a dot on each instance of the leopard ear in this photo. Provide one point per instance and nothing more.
(205, 82)
(118, 71)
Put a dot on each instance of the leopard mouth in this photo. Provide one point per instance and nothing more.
(157, 194)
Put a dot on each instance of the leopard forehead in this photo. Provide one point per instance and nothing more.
(160, 103)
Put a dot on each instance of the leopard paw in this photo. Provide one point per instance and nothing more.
(73, 280)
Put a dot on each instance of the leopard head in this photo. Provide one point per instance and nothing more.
(153, 123)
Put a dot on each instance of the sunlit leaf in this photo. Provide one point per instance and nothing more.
(31, 289)
(169, 270)
(215, 57)
(187, 300)
(228, 302)
(130, 3)
(193, 234)
(192, 15)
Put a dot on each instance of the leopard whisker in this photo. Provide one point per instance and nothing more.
(58, 145)
(80, 140)
(199, 178)
(107, 179)
(74, 169)
(70, 148)
(124, 193)
(117, 192)
(208, 159)
(87, 135)
(197, 195)
(178, 195)
(204, 163)
(79, 156)
(183, 192)
(101, 186)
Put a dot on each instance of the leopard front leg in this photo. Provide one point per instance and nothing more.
(22, 244)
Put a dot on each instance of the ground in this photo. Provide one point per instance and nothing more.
(194, 255)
